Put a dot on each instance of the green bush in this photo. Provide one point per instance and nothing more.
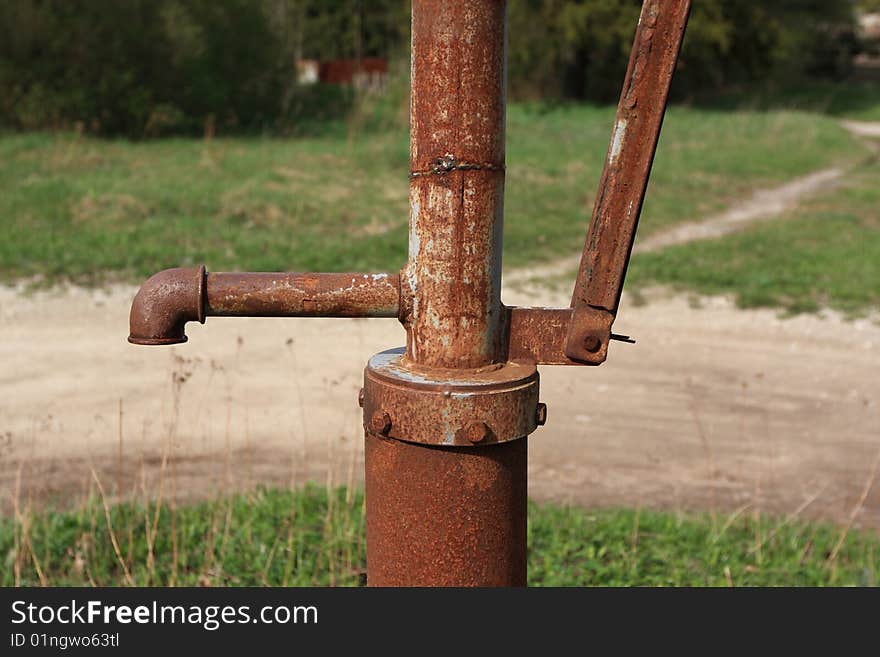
(136, 67)
(579, 48)
(145, 68)
(150, 67)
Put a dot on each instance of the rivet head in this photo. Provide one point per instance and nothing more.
(477, 432)
(380, 423)
(541, 415)
(443, 164)
(361, 398)
(592, 343)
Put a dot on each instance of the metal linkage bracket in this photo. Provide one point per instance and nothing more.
(541, 335)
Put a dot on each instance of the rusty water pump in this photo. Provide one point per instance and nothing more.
(447, 417)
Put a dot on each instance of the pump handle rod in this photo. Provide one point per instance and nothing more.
(625, 178)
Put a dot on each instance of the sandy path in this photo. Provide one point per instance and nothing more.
(713, 408)
(763, 205)
(868, 129)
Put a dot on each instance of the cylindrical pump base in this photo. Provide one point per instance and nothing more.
(445, 516)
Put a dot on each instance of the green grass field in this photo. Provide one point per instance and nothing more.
(826, 253)
(86, 210)
(856, 100)
(75, 209)
(274, 537)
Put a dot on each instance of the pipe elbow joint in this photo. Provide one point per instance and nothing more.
(165, 303)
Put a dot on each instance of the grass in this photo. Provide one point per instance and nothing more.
(315, 537)
(86, 210)
(706, 160)
(826, 253)
(853, 99)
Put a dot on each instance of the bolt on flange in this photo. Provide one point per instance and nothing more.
(380, 422)
(541, 414)
(451, 408)
(477, 432)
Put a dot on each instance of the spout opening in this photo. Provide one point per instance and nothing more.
(149, 342)
(165, 303)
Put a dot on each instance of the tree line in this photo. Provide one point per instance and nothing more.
(149, 67)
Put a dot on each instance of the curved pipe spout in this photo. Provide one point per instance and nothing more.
(173, 297)
(165, 303)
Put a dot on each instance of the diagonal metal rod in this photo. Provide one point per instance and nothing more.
(630, 154)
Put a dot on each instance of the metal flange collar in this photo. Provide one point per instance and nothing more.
(450, 407)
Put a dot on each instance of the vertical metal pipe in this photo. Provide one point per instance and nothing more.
(450, 516)
(456, 182)
(441, 516)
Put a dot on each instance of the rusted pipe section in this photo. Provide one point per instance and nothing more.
(446, 421)
(452, 281)
(165, 303)
(171, 298)
(445, 516)
(302, 295)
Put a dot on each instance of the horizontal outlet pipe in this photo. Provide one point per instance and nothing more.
(302, 295)
(171, 298)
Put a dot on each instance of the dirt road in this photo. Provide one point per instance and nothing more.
(714, 408)
(769, 204)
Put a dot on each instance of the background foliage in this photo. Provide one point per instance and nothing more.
(148, 67)
(579, 48)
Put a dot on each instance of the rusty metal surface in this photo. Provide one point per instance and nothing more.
(630, 156)
(171, 298)
(164, 304)
(589, 335)
(447, 419)
(302, 295)
(452, 281)
(453, 516)
(538, 335)
(449, 407)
